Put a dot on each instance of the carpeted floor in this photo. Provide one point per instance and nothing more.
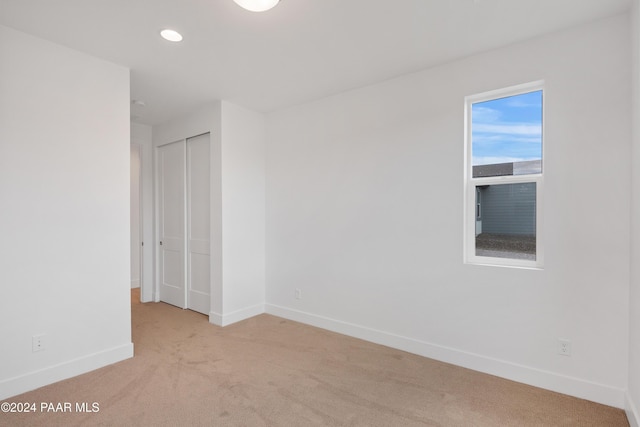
(268, 371)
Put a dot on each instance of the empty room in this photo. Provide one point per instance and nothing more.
(320, 212)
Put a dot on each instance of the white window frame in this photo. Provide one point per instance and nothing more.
(470, 183)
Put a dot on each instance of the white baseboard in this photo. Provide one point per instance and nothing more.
(33, 380)
(577, 387)
(236, 316)
(632, 412)
(135, 283)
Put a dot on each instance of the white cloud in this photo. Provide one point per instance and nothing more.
(493, 160)
(517, 102)
(485, 114)
(508, 129)
(488, 139)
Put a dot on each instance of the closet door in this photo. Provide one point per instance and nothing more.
(198, 230)
(172, 225)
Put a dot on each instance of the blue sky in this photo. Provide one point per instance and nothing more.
(507, 129)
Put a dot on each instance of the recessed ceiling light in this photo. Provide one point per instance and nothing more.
(171, 35)
(257, 5)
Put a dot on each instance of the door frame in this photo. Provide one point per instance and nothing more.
(147, 260)
(139, 149)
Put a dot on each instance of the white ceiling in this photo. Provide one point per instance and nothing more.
(299, 51)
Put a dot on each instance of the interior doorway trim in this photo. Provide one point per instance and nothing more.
(141, 137)
(137, 279)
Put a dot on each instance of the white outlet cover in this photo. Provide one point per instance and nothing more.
(564, 347)
(38, 343)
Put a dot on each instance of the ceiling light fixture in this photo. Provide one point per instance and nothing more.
(257, 5)
(171, 35)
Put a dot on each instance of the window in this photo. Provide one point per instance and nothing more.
(504, 178)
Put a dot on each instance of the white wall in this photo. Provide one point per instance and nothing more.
(365, 216)
(633, 403)
(237, 205)
(64, 190)
(243, 213)
(141, 135)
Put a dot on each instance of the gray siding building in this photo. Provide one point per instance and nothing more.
(508, 209)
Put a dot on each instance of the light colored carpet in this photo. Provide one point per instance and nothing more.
(268, 371)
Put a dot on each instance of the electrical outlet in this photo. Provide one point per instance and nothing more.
(298, 293)
(564, 347)
(37, 343)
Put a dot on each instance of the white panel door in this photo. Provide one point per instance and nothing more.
(136, 249)
(172, 225)
(198, 211)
